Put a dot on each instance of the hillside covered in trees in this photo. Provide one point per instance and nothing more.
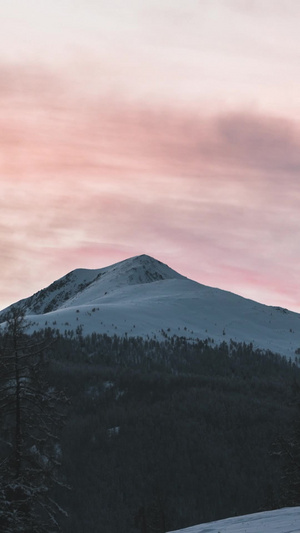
(163, 435)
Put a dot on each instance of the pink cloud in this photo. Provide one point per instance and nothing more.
(88, 184)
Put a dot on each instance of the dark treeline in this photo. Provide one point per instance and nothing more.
(163, 435)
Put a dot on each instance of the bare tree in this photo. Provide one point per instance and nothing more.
(31, 414)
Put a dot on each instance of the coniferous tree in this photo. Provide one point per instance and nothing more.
(31, 412)
(156, 516)
(288, 448)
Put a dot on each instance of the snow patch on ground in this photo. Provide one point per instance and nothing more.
(280, 521)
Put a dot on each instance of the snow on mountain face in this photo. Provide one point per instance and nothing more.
(144, 297)
(280, 521)
(84, 284)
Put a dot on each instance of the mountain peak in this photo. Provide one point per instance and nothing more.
(142, 296)
(85, 285)
(141, 269)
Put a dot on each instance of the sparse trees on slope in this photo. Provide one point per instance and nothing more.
(30, 416)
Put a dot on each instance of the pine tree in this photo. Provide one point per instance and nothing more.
(31, 413)
(156, 516)
(287, 448)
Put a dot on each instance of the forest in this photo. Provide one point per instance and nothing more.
(163, 435)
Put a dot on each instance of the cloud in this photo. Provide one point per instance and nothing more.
(266, 143)
(89, 182)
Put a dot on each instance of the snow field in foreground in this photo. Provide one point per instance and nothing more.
(280, 521)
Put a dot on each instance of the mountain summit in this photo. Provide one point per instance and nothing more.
(85, 286)
(141, 296)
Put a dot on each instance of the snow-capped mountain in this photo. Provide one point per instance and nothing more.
(144, 297)
(280, 521)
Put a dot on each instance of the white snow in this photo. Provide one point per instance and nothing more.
(113, 431)
(143, 297)
(280, 521)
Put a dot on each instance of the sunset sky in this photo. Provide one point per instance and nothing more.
(165, 127)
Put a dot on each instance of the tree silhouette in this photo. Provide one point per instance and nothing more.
(287, 448)
(31, 413)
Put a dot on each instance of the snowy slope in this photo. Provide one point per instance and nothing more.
(83, 286)
(144, 297)
(280, 521)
